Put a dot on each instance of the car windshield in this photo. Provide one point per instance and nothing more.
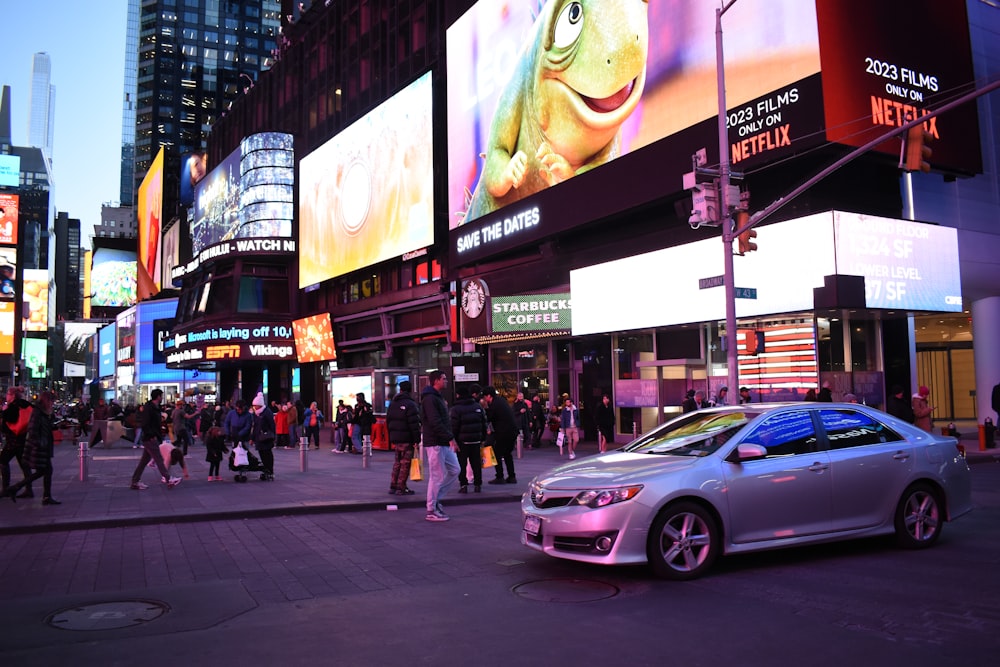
(695, 434)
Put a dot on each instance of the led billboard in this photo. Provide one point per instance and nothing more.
(8, 218)
(150, 214)
(35, 353)
(579, 111)
(6, 327)
(36, 300)
(150, 365)
(106, 351)
(314, 338)
(10, 170)
(113, 278)
(8, 273)
(193, 169)
(366, 195)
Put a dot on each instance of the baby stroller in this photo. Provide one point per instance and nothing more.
(241, 469)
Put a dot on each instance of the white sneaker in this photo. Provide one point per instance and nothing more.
(436, 516)
(572, 456)
(172, 482)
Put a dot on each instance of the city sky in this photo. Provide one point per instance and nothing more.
(86, 44)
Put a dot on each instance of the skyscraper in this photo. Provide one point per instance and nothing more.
(126, 196)
(193, 60)
(41, 117)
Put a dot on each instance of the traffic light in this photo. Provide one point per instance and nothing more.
(744, 244)
(917, 151)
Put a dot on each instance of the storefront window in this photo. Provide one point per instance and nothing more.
(631, 350)
(521, 368)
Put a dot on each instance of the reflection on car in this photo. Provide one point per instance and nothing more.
(746, 478)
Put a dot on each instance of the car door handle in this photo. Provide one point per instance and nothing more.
(819, 467)
(901, 456)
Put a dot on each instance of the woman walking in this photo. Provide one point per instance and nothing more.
(38, 449)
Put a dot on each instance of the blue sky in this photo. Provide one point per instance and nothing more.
(86, 43)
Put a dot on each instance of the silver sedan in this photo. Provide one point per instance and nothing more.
(747, 478)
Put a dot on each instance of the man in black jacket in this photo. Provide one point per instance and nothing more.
(501, 416)
(402, 421)
(151, 424)
(468, 423)
(439, 444)
(898, 405)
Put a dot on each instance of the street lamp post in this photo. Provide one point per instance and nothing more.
(725, 218)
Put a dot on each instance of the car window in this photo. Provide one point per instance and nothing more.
(785, 433)
(694, 434)
(851, 428)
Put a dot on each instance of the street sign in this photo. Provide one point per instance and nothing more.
(714, 281)
(745, 292)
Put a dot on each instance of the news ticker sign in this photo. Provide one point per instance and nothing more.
(246, 341)
(235, 247)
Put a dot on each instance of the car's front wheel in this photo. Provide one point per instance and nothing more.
(683, 542)
(918, 517)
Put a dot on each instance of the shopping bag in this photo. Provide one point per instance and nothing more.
(241, 456)
(489, 458)
(560, 440)
(416, 474)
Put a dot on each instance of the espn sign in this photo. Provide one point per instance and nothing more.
(222, 352)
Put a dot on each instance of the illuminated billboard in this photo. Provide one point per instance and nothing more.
(106, 351)
(245, 204)
(35, 353)
(907, 266)
(170, 257)
(193, 169)
(366, 195)
(574, 112)
(113, 278)
(10, 170)
(8, 218)
(36, 300)
(150, 214)
(314, 338)
(6, 327)
(150, 366)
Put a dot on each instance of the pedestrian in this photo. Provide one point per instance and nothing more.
(293, 424)
(39, 447)
(343, 425)
(996, 401)
(745, 395)
(501, 417)
(205, 420)
(151, 434)
(99, 420)
(569, 422)
(364, 419)
(402, 422)
(16, 419)
(263, 435)
(172, 455)
(521, 417)
(238, 424)
(182, 436)
(898, 406)
(468, 423)
(439, 444)
(281, 426)
(313, 421)
(850, 398)
(605, 423)
(810, 395)
(538, 419)
(922, 410)
(215, 450)
(825, 395)
(722, 398)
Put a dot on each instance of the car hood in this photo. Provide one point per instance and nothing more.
(613, 469)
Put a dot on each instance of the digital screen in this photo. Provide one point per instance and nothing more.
(8, 218)
(314, 338)
(538, 99)
(249, 195)
(171, 252)
(36, 300)
(106, 352)
(125, 345)
(8, 273)
(6, 327)
(10, 170)
(366, 195)
(194, 166)
(35, 353)
(347, 387)
(151, 367)
(113, 278)
(150, 214)
(906, 265)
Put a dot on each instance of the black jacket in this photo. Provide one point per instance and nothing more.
(11, 414)
(38, 443)
(402, 420)
(364, 417)
(468, 422)
(435, 422)
(150, 421)
(901, 408)
(263, 429)
(501, 415)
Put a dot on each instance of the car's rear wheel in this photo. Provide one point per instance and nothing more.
(683, 542)
(918, 517)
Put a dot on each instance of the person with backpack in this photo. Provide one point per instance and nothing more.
(16, 416)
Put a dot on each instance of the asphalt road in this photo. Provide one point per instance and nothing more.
(385, 587)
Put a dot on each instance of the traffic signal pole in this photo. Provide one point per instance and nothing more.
(725, 217)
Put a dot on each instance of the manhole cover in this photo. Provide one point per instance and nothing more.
(566, 590)
(108, 615)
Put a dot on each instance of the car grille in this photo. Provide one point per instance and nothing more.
(543, 500)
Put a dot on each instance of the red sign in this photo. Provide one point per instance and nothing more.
(8, 219)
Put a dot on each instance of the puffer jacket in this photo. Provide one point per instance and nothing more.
(468, 421)
(402, 420)
(38, 445)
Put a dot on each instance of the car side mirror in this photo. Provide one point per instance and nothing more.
(747, 452)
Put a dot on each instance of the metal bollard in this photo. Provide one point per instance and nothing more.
(635, 430)
(303, 454)
(84, 460)
(366, 450)
(520, 443)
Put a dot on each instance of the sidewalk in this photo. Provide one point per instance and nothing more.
(331, 482)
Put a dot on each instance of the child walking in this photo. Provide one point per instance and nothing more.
(215, 449)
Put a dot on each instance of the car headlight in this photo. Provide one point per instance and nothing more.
(602, 497)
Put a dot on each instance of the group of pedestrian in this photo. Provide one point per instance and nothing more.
(916, 409)
(27, 438)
